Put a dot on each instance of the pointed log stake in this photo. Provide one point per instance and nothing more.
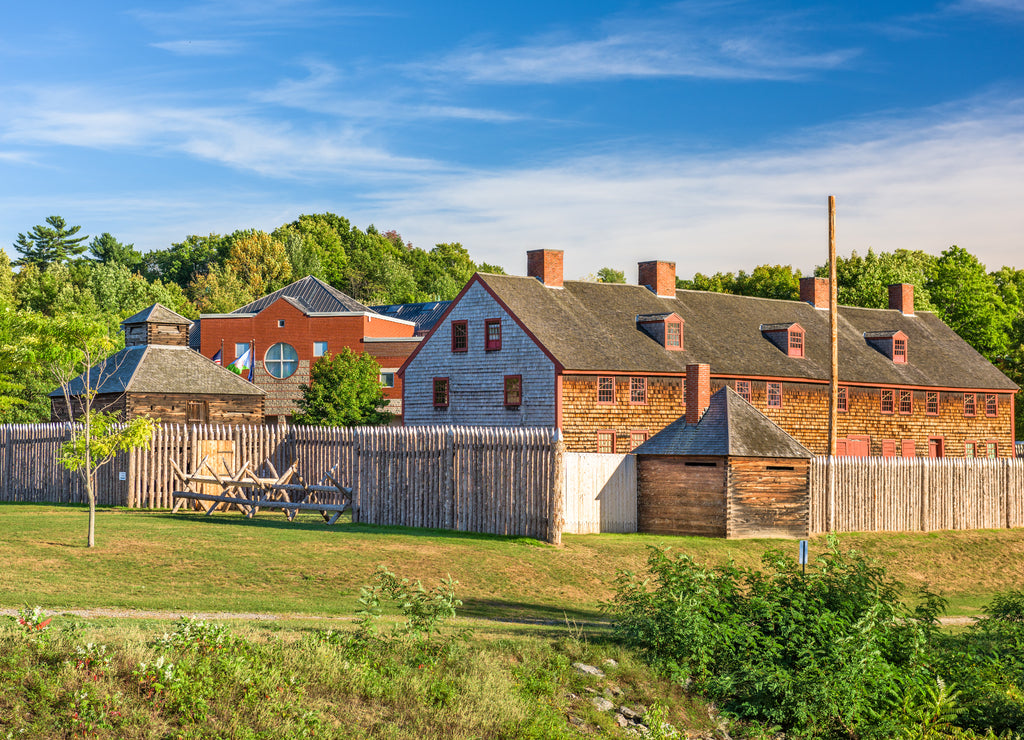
(833, 395)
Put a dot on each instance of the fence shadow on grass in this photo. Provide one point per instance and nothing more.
(530, 613)
(313, 523)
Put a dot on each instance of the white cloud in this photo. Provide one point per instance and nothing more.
(200, 47)
(710, 41)
(943, 179)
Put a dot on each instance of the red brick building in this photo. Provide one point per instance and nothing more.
(287, 331)
(606, 364)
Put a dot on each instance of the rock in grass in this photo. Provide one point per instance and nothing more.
(602, 704)
(589, 669)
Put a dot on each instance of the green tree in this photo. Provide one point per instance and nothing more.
(344, 391)
(967, 299)
(303, 258)
(6, 279)
(328, 236)
(219, 290)
(55, 242)
(184, 260)
(610, 275)
(109, 251)
(259, 260)
(864, 281)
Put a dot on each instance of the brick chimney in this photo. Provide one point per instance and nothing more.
(659, 277)
(546, 266)
(901, 298)
(814, 290)
(698, 391)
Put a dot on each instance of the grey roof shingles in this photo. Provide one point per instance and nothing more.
(156, 314)
(162, 369)
(592, 327)
(730, 426)
(310, 295)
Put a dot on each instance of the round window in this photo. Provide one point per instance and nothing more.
(281, 360)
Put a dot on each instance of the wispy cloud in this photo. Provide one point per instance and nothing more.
(201, 47)
(249, 14)
(997, 7)
(912, 183)
(699, 40)
(230, 136)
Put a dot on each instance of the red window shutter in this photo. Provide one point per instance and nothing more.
(888, 448)
(908, 448)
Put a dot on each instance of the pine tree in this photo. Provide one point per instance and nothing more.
(45, 245)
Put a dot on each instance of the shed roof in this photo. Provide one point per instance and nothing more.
(592, 327)
(162, 369)
(730, 426)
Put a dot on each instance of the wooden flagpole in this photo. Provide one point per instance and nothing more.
(833, 395)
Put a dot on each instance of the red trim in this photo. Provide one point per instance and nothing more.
(940, 446)
(995, 445)
(908, 448)
(632, 379)
(489, 344)
(633, 444)
(558, 400)
(744, 393)
(464, 323)
(610, 432)
(888, 448)
(892, 401)
(443, 321)
(843, 398)
(973, 406)
(508, 311)
(927, 404)
(520, 401)
(447, 393)
(904, 394)
(991, 399)
(768, 395)
(599, 401)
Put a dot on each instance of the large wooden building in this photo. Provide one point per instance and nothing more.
(606, 364)
(158, 375)
(282, 334)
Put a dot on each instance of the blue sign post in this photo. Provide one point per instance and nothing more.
(803, 556)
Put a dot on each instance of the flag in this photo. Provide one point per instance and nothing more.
(217, 358)
(242, 363)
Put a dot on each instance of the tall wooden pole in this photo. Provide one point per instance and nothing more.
(833, 394)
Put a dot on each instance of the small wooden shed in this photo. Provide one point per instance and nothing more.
(731, 472)
(156, 374)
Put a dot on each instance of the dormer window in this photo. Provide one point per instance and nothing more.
(892, 344)
(789, 338)
(664, 328)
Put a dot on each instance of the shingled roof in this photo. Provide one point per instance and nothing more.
(161, 369)
(156, 314)
(309, 295)
(730, 426)
(592, 327)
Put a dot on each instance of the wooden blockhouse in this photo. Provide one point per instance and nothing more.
(728, 472)
(156, 374)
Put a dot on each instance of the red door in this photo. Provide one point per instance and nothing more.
(935, 447)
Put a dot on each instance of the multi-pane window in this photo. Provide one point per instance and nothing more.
(492, 334)
(606, 442)
(440, 392)
(606, 390)
(460, 336)
(843, 399)
(513, 390)
(319, 349)
(931, 403)
(638, 390)
(887, 401)
(991, 404)
(906, 402)
(969, 404)
(637, 438)
(673, 334)
(387, 380)
(743, 389)
(281, 360)
(991, 449)
(796, 343)
(899, 350)
(970, 449)
(774, 395)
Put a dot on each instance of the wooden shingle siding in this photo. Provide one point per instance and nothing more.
(768, 497)
(680, 499)
(477, 376)
(582, 414)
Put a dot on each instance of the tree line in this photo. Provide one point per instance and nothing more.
(61, 273)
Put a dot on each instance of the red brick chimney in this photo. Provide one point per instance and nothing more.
(814, 290)
(901, 298)
(698, 391)
(659, 277)
(546, 266)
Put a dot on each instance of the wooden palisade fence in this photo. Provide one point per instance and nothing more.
(479, 479)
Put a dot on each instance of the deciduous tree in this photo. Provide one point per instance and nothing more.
(344, 391)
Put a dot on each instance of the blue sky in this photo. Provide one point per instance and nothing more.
(708, 133)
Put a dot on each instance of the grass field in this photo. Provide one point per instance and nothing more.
(153, 560)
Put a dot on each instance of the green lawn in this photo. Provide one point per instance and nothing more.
(226, 563)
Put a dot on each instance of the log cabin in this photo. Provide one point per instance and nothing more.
(158, 375)
(606, 364)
